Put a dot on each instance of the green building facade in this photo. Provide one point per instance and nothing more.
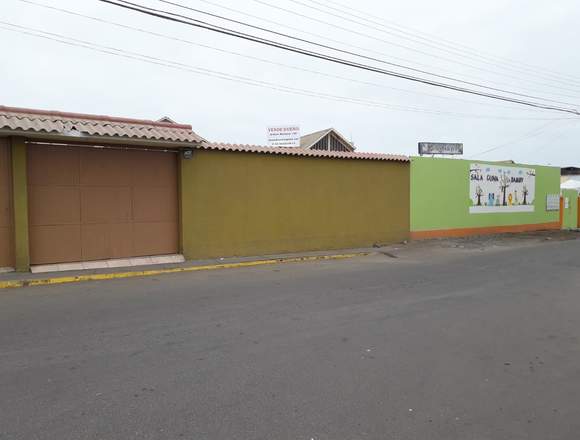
(456, 197)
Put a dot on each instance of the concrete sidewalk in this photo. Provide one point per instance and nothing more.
(398, 250)
(23, 279)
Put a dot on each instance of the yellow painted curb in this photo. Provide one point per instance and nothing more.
(153, 272)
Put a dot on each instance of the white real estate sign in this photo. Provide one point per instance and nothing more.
(284, 136)
(496, 188)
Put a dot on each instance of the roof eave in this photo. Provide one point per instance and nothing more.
(47, 136)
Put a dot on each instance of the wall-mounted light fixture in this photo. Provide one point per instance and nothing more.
(187, 153)
(73, 132)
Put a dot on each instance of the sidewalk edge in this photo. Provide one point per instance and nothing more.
(153, 272)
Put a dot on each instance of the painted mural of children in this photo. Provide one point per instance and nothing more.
(497, 197)
(516, 200)
(510, 199)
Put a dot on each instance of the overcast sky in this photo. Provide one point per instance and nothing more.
(524, 46)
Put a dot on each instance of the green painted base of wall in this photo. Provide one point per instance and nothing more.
(239, 204)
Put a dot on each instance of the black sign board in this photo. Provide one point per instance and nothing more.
(439, 148)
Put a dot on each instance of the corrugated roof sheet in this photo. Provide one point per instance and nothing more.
(295, 151)
(308, 140)
(40, 121)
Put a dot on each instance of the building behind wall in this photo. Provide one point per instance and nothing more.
(444, 197)
(570, 173)
(326, 140)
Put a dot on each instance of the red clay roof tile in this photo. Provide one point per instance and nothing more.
(297, 151)
(39, 121)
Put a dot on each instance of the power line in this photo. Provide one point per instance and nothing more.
(545, 145)
(391, 43)
(430, 37)
(532, 134)
(266, 61)
(352, 18)
(312, 54)
(324, 46)
(360, 48)
(233, 78)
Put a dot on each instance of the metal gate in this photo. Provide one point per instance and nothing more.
(100, 203)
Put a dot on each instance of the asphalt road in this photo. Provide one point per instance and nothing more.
(437, 344)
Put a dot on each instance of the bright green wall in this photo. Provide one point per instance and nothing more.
(570, 220)
(236, 204)
(440, 196)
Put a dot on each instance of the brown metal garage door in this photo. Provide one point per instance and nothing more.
(93, 204)
(6, 234)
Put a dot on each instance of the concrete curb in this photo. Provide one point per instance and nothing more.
(147, 273)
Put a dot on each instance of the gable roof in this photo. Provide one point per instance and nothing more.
(16, 121)
(309, 140)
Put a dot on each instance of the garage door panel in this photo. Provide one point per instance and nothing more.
(5, 202)
(54, 205)
(53, 165)
(55, 244)
(106, 241)
(155, 238)
(121, 240)
(6, 259)
(155, 169)
(5, 208)
(105, 167)
(102, 204)
(155, 204)
(95, 242)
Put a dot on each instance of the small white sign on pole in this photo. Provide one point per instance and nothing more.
(284, 136)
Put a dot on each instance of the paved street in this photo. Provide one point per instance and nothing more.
(458, 342)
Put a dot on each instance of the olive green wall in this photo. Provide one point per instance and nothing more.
(236, 204)
(440, 197)
(6, 213)
(20, 200)
(570, 218)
